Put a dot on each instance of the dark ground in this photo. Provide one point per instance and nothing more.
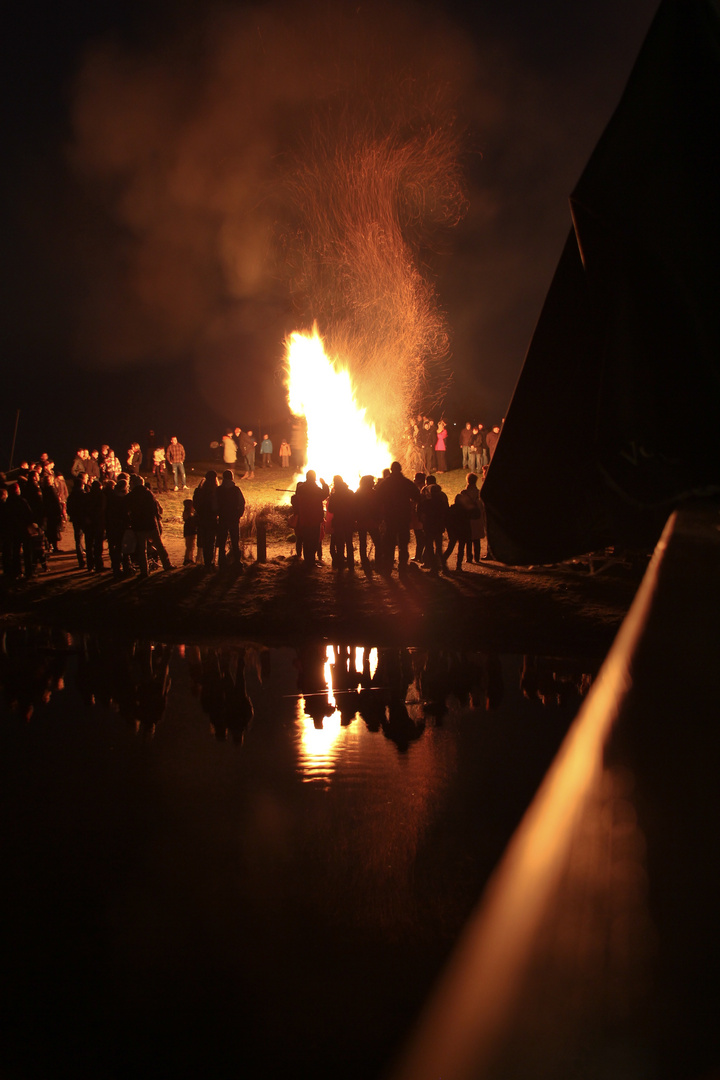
(549, 611)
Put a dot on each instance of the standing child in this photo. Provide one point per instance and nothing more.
(285, 454)
(190, 528)
(266, 449)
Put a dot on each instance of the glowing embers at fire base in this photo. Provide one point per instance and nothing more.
(340, 439)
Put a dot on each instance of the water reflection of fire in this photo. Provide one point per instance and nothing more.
(340, 439)
(321, 722)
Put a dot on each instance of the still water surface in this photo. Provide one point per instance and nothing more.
(236, 861)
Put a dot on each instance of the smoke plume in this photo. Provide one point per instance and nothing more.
(268, 168)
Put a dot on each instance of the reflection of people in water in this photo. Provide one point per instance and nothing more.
(475, 679)
(100, 672)
(429, 683)
(554, 681)
(346, 679)
(369, 703)
(383, 702)
(393, 690)
(345, 672)
(31, 671)
(312, 681)
(131, 678)
(399, 726)
(152, 687)
(223, 693)
(318, 708)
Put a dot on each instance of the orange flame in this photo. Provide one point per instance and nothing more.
(340, 440)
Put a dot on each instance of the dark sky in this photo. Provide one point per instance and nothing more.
(144, 232)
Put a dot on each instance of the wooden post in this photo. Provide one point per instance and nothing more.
(261, 529)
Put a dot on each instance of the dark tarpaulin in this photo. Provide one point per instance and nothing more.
(616, 416)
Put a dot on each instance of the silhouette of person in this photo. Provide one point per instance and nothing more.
(433, 511)
(309, 505)
(231, 507)
(341, 504)
(205, 501)
(397, 497)
(367, 516)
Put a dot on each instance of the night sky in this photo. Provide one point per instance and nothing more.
(147, 231)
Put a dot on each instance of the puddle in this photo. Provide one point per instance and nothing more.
(248, 861)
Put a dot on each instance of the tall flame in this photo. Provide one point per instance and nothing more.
(340, 440)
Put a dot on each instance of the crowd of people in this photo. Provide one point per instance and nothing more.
(387, 513)
(162, 461)
(427, 445)
(33, 509)
(109, 506)
(239, 451)
(211, 520)
(383, 515)
(113, 513)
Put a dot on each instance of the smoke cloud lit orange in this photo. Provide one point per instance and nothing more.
(274, 167)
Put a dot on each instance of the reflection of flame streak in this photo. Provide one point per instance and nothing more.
(340, 440)
(327, 671)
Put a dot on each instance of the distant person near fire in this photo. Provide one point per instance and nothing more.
(285, 454)
(175, 457)
(229, 451)
(266, 449)
(247, 447)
